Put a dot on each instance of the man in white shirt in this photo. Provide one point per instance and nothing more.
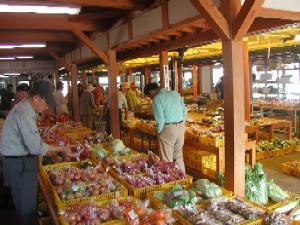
(122, 101)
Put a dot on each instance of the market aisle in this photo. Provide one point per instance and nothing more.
(272, 168)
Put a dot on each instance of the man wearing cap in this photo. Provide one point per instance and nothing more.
(170, 115)
(20, 147)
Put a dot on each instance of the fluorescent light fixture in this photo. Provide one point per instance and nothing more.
(7, 58)
(7, 46)
(38, 45)
(2, 76)
(32, 46)
(11, 74)
(39, 9)
(24, 57)
(297, 37)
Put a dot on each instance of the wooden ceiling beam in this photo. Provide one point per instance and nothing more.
(189, 40)
(278, 14)
(165, 34)
(36, 36)
(214, 17)
(89, 43)
(60, 61)
(116, 4)
(28, 21)
(88, 17)
(245, 18)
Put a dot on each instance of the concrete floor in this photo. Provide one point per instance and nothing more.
(272, 168)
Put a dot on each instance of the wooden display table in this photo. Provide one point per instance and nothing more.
(271, 124)
(49, 200)
(250, 146)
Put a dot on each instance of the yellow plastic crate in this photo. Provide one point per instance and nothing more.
(100, 197)
(142, 192)
(113, 222)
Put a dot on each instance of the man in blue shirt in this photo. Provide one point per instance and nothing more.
(170, 114)
(20, 147)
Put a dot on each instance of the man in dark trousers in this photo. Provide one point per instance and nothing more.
(20, 147)
(170, 114)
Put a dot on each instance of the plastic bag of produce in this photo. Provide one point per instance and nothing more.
(275, 192)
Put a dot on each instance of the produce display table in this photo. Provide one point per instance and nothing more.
(252, 130)
(271, 124)
(220, 153)
(49, 200)
(291, 110)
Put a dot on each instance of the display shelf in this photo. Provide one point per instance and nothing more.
(49, 200)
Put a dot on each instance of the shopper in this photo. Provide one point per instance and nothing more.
(219, 88)
(87, 107)
(170, 114)
(21, 93)
(20, 147)
(122, 101)
(61, 102)
(7, 98)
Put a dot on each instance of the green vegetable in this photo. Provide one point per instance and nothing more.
(256, 188)
(209, 190)
(275, 192)
(100, 154)
(221, 179)
(288, 207)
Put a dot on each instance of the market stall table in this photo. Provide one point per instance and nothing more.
(250, 146)
(49, 199)
(271, 124)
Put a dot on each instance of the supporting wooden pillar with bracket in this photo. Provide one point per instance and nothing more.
(147, 75)
(164, 67)
(113, 94)
(75, 93)
(199, 79)
(246, 80)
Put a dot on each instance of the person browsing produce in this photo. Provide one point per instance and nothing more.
(21, 145)
(170, 114)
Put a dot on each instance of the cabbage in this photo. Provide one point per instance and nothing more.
(275, 192)
(117, 145)
(208, 189)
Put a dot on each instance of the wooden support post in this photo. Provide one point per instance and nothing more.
(246, 80)
(113, 93)
(83, 80)
(199, 80)
(147, 75)
(180, 78)
(234, 113)
(195, 82)
(75, 93)
(163, 64)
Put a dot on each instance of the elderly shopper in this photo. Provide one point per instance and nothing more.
(20, 147)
